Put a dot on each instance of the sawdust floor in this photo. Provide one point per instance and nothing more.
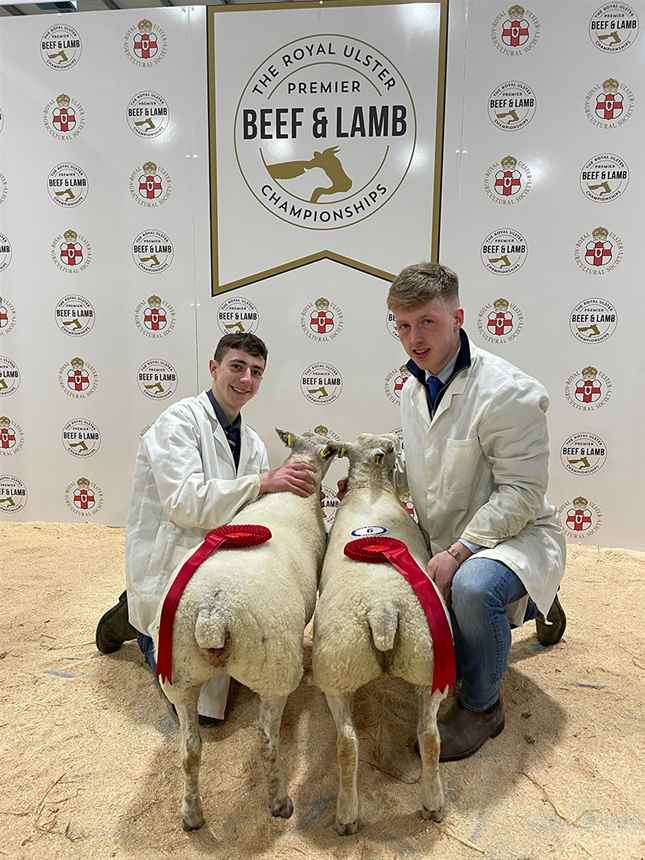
(88, 745)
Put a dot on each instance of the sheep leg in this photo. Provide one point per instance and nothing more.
(347, 760)
(432, 799)
(269, 722)
(190, 745)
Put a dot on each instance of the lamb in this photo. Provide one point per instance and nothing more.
(369, 622)
(243, 613)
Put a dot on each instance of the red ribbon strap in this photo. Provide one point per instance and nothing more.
(233, 536)
(380, 549)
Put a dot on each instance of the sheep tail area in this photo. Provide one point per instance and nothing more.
(212, 634)
(383, 621)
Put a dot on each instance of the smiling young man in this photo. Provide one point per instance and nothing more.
(196, 467)
(476, 459)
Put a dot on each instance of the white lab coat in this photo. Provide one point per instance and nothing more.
(184, 484)
(479, 470)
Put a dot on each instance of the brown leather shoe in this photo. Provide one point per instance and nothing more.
(464, 732)
(549, 634)
(114, 627)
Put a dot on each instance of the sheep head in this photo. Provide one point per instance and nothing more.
(310, 448)
(370, 457)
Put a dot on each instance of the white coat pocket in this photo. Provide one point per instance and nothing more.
(459, 472)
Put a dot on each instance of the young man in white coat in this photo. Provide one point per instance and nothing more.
(476, 458)
(196, 467)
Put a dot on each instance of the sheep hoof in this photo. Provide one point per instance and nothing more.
(192, 820)
(282, 808)
(432, 814)
(347, 829)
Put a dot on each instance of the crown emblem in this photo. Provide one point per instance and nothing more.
(150, 167)
(322, 303)
(144, 26)
(154, 301)
(70, 235)
(77, 362)
(580, 502)
(404, 371)
(4, 421)
(320, 430)
(516, 11)
(610, 86)
(83, 483)
(501, 304)
(509, 162)
(62, 100)
(600, 233)
(589, 372)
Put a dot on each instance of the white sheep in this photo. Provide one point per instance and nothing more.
(243, 613)
(369, 622)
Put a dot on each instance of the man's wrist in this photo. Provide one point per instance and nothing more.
(459, 552)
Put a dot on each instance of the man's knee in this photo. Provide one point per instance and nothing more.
(473, 588)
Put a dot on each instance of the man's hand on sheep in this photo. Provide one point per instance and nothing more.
(443, 566)
(295, 478)
(341, 491)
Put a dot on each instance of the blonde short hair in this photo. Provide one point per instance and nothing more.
(423, 282)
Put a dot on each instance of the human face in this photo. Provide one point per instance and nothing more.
(429, 332)
(236, 379)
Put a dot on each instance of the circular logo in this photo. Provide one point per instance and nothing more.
(13, 494)
(155, 317)
(64, 117)
(394, 382)
(593, 320)
(588, 389)
(11, 436)
(74, 315)
(508, 181)
(157, 379)
(390, 325)
(78, 378)
(613, 27)
(511, 105)
(237, 316)
(583, 453)
(7, 316)
(4, 187)
(504, 251)
(321, 320)
(81, 437)
(5, 252)
(145, 44)
(329, 505)
(84, 497)
(153, 251)
(71, 252)
(148, 114)
(60, 47)
(604, 177)
(67, 185)
(580, 518)
(150, 185)
(9, 376)
(323, 430)
(345, 144)
(599, 251)
(369, 531)
(515, 31)
(321, 383)
(500, 321)
(609, 104)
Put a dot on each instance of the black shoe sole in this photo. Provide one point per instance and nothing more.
(551, 634)
(108, 644)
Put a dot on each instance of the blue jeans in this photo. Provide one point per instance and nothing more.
(481, 591)
(147, 647)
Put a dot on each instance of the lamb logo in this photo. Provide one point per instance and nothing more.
(580, 518)
(394, 382)
(500, 322)
(593, 320)
(604, 178)
(4, 188)
(515, 31)
(348, 155)
(74, 315)
(9, 376)
(81, 437)
(157, 379)
(155, 317)
(599, 252)
(323, 430)
(321, 383)
(5, 252)
(237, 316)
(78, 378)
(150, 185)
(508, 181)
(588, 390)
(145, 44)
(71, 252)
(511, 106)
(390, 325)
(11, 436)
(610, 104)
(329, 505)
(60, 47)
(147, 114)
(13, 494)
(67, 185)
(64, 117)
(7, 316)
(153, 251)
(504, 251)
(613, 27)
(84, 497)
(321, 320)
(583, 454)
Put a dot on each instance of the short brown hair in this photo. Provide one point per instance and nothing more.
(423, 282)
(245, 341)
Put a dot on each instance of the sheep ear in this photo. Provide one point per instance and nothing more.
(378, 457)
(287, 438)
(327, 452)
(343, 449)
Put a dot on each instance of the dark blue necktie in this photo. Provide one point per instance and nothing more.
(433, 384)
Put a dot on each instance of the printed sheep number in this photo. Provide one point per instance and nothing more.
(369, 531)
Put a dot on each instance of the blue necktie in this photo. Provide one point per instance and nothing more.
(433, 384)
